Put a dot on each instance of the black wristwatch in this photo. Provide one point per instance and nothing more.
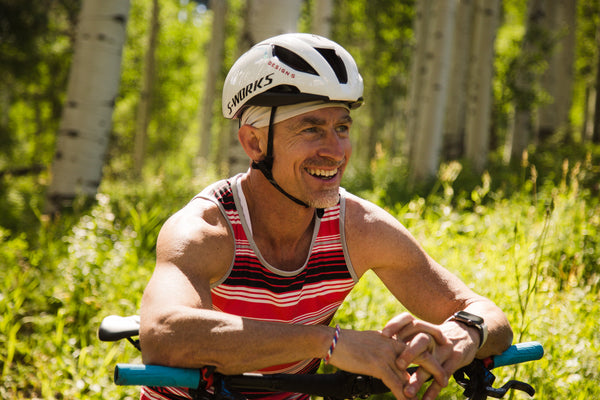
(472, 320)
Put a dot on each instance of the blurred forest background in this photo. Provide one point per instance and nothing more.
(480, 131)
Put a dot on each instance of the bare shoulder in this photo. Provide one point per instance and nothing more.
(362, 211)
(376, 239)
(367, 220)
(197, 239)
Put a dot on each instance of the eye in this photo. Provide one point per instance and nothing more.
(343, 129)
(312, 130)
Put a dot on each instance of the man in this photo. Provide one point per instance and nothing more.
(250, 273)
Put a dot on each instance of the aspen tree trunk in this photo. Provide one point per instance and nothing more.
(557, 80)
(215, 59)
(596, 130)
(264, 19)
(145, 103)
(5, 102)
(521, 132)
(587, 127)
(417, 73)
(454, 126)
(440, 36)
(322, 13)
(93, 84)
(479, 89)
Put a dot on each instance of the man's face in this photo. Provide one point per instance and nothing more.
(311, 152)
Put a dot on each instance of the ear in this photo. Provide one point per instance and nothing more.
(253, 142)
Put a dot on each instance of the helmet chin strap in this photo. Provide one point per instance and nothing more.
(266, 167)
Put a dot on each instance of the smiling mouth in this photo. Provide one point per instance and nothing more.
(322, 173)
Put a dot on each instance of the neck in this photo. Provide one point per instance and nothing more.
(268, 207)
(281, 228)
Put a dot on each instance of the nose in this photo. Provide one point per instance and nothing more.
(335, 146)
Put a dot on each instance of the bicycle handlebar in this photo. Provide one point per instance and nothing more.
(154, 375)
(518, 353)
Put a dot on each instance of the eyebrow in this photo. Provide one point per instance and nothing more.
(312, 120)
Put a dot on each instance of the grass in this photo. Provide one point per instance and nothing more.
(528, 240)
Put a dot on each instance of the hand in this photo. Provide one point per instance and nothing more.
(438, 350)
(371, 353)
(425, 347)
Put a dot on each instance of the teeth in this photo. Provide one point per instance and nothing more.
(322, 172)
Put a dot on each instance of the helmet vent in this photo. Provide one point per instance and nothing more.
(293, 60)
(336, 64)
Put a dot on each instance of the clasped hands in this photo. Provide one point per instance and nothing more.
(437, 351)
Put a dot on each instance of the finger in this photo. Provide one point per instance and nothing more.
(436, 387)
(396, 380)
(416, 381)
(420, 344)
(432, 391)
(396, 324)
(421, 351)
(419, 378)
(427, 369)
(408, 331)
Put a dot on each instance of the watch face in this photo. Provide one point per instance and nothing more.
(468, 317)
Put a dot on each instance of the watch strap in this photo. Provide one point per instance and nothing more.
(474, 321)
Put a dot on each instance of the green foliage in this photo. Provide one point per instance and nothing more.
(35, 52)
(54, 289)
(180, 63)
(525, 235)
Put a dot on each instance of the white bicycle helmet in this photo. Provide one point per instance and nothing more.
(289, 69)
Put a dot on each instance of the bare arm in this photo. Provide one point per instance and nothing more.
(377, 241)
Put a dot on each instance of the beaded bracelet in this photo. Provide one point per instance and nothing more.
(336, 336)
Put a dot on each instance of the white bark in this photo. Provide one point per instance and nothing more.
(264, 19)
(587, 129)
(215, 60)
(440, 37)
(417, 73)
(454, 127)
(268, 18)
(479, 92)
(92, 88)
(322, 14)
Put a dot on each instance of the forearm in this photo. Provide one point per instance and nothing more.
(188, 337)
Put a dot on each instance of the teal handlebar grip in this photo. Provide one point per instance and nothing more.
(518, 353)
(156, 375)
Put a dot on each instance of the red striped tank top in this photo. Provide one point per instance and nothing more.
(254, 289)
